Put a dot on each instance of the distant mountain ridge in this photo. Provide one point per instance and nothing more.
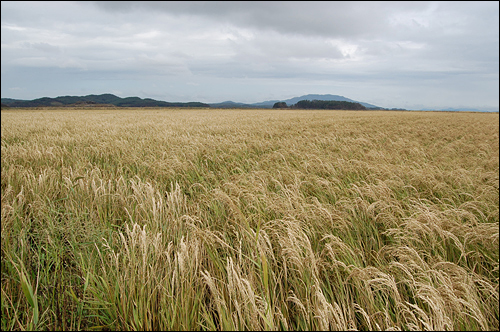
(89, 100)
(291, 101)
(108, 99)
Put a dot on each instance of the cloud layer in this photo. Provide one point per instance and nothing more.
(392, 54)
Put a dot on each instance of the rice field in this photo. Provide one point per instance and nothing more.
(204, 219)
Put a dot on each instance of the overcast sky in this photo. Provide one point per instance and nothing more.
(391, 54)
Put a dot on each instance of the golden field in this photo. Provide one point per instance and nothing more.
(204, 219)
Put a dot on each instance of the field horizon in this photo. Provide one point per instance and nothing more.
(249, 219)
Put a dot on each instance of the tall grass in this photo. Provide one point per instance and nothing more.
(249, 220)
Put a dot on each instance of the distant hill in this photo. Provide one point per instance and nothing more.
(231, 104)
(110, 100)
(10, 100)
(89, 100)
(326, 97)
(291, 101)
(326, 105)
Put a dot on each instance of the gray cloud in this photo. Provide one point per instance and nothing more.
(311, 18)
(252, 51)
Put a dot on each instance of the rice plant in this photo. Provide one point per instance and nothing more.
(193, 219)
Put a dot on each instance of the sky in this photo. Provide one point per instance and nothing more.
(391, 54)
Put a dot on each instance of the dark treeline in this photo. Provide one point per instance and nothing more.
(322, 105)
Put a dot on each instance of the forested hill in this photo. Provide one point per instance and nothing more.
(104, 99)
(322, 105)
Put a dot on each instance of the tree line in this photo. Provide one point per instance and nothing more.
(322, 105)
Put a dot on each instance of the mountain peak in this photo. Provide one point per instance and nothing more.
(324, 97)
